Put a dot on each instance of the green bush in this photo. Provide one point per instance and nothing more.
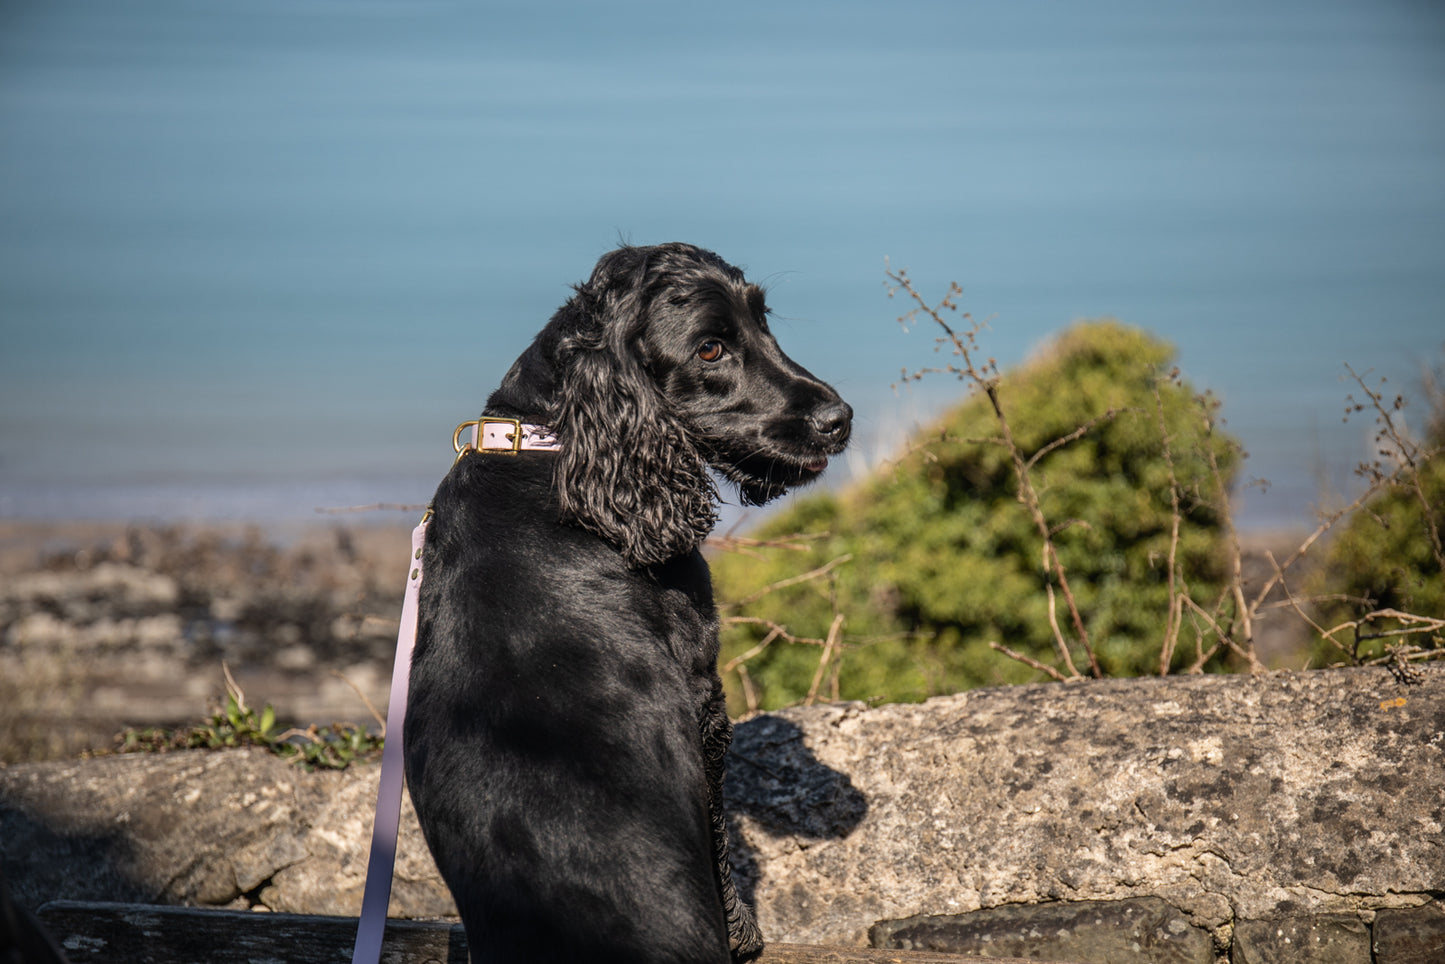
(943, 558)
(1382, 587)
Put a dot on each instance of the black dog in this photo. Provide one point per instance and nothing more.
(567, 728)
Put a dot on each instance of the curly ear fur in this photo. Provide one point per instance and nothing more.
(628, 470)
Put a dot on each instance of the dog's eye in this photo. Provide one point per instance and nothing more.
(711, 350)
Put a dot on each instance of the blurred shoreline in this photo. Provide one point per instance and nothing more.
(109, 625)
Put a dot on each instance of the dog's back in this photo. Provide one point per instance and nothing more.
(552, 745)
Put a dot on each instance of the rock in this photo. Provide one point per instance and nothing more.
(1327, 939)
(1223, 804)
(235, 828)
(333, 873)
(1226, 796)
(1144, 930)
(198, 827)
(1414, 936)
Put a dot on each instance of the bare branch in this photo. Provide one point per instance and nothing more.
(1310, 540)
(1060, 643)
(1174, 613)
(1031, 662)
(796, 542)
(1406, 454)
(1076, 434)
(370, 707)
(780, 631)
(828, 649)
(811, 574)
(774, 632)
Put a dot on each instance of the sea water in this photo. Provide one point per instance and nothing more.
(257, 259)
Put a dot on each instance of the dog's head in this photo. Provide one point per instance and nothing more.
(663, 365)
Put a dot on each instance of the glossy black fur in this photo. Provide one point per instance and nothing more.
(565, 742)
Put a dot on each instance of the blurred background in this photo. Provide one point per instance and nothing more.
(257, 258)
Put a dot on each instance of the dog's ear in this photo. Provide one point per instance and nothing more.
(627, 468)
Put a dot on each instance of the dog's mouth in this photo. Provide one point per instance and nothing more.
(767, 464)
(793, 467)
(764, 478)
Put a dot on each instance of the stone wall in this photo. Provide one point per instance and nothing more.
(1285, 817)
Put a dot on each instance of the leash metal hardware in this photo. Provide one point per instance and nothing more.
(478, 426)
(460, 447)
(515, 436)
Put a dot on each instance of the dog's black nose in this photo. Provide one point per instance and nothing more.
(832, 420)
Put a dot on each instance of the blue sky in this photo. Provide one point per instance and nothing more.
(266, 254)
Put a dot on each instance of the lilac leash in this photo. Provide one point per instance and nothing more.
(377, 895)
(488, 434)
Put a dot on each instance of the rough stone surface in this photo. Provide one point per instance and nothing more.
(1327, 939)
(1414, 936)
(1142, 931)
(1229, 798)
(1255, 798)
(240, 828)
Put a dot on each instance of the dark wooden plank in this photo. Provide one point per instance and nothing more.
(816, 954)
(151, 934)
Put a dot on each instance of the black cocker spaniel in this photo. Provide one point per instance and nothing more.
(567, 727)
